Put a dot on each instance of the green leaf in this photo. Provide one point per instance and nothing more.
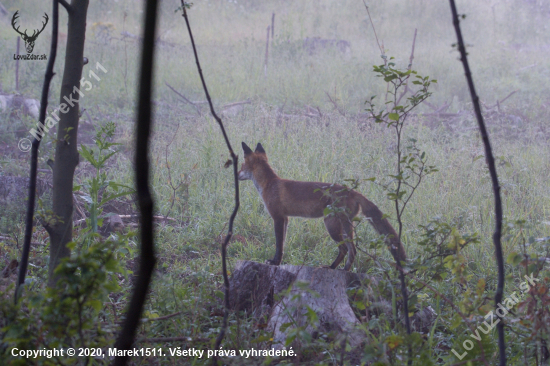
(96, 304)
(514, 258)
(456, 322)
(88, 155)
(311, 315)
(111, 265)
(116, 186)
(104, 158)
(285, 326)
(289, 340)
(393, 116)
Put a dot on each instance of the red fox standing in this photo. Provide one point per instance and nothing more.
(284, 198)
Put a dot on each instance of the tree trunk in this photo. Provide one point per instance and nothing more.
(66, 154)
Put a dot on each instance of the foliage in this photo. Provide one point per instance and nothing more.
(529, 323)
(411, 165)
(97, 187)
(67, 315)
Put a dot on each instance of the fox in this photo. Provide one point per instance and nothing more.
(285, 198)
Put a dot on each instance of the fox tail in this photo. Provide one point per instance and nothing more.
(383, 227)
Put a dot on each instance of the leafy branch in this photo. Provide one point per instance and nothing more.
(411, 165)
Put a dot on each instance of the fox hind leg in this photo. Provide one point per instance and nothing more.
(341, 230)
(351, 250)
(342, 251)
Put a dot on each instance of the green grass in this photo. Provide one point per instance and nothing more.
(505, 40)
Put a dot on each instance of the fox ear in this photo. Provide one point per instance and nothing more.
(259, 148)
(246, 149)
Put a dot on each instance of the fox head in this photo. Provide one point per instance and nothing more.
(251, 160)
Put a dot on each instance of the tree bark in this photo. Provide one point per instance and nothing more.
(66, 153)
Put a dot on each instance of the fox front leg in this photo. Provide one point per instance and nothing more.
(280, 234)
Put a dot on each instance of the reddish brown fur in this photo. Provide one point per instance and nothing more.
(284, 198)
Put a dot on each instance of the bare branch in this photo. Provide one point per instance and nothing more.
(502, 100)
(65, 5)
(234, 104)
(375, 35)
(235, 160)
(408, 68)
(194, 104)
(335, 105)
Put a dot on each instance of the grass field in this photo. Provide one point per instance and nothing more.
(509, 50)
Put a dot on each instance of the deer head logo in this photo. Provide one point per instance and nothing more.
(29, 40)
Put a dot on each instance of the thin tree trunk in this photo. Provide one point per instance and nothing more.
(34, 149)
(494, 179)
(66, 153)
(147, 257)
(272, 27)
